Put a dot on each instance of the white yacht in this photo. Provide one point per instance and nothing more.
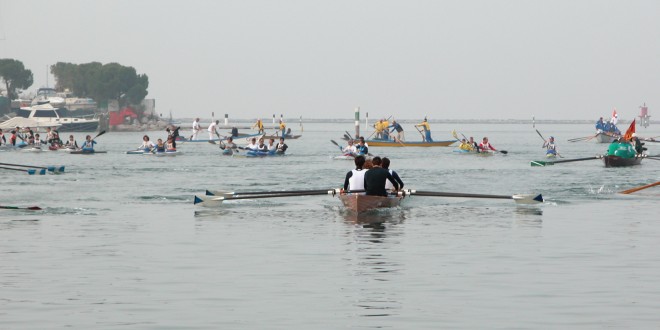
(47, 115)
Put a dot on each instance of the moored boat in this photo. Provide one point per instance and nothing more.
(359, 203)
(47, 116)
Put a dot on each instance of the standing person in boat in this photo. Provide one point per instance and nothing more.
(427, 130)
(259, 125)
(146, 145)
(281, 146)
(195, 129)
(71, 143)
(375, 178)
(253, 145)
(485, 145)
(88, 145)
(600, 125)
(639, 146)
(385, 163)
(399, 130)
(213, 130)
(551, 148)
(362, 149)
(282, 128)
(355, 178)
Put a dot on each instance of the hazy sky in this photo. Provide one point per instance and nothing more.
(321, 59)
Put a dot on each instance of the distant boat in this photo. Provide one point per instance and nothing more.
(46, 115)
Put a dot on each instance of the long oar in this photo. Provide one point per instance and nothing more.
(97, 135)
(542, 163)
(520, 198)
(217, 200)
(632, 190)
(582, 138)
(349, 135)
(49, 168)
(30, 171)
(234, 193)
(33, 208)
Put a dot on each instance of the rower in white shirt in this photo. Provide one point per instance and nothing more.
(195, 128)
(213, 129)
(253, 145)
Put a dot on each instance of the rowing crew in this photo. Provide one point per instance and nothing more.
(375, 180)
(472, 145)
(271, 147)
(354, 150)
(148, 145)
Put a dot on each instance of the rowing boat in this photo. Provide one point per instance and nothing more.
(87, 152)
(31, 149)
(253, 153)
(169, 153)
(616, 161)
(359, 203)
(606, 137)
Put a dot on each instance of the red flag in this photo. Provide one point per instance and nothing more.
(629, 132)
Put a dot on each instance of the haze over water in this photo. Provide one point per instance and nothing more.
(120, 244)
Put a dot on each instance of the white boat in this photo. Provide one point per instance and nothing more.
(49, 95)
(606, 137)
(45, 115)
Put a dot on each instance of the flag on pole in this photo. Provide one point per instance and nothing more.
(629, 132)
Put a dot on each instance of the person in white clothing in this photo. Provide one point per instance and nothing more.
(253, 145)
(615, 119)
(147, 145)
(349, 149)
(213, 130)
(195, 129)
(355, 178)
(272, 147)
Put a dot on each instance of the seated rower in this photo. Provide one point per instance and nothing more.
(355, 178)
(146, 145)
(253, 145)
(474, 144)
(281, 146)
(362, 149)
(271, 145)
(88, 145)
(375, 178)
(171, 144)
(228, 147)
(37, 141)
(485, 145)
(71, 143)
(465, 145)
(262, 147)
(551, 148)
(349, 149)
(160, 146)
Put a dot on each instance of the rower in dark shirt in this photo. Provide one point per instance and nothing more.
(374, 179)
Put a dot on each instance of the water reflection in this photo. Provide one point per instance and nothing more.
(372, 260)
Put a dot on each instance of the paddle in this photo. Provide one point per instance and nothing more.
(30, 171)
(520, 199)
(97, 135)
(33, 208)
(545, 142)
(335, 143)
(632, 190)
(349, 135)
(542, 163)
(49, 168)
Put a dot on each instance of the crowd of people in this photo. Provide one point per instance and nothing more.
(26, 137)
(385, 131)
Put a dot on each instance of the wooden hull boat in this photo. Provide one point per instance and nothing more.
(359, 203)
(616, 161)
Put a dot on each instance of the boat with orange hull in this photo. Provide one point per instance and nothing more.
(359, 203)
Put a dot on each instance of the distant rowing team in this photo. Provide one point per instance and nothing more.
(255, 149)
(471, 145)
(33, 140)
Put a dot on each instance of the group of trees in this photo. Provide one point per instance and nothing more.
(98, 81)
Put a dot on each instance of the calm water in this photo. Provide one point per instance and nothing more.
(119, 243)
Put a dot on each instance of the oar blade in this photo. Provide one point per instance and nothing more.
(34, 208)
(207, 201)
(528, 198)
(218, 192)
(31, 171)
(540, 163)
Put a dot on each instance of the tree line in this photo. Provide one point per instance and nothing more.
(111, 81)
